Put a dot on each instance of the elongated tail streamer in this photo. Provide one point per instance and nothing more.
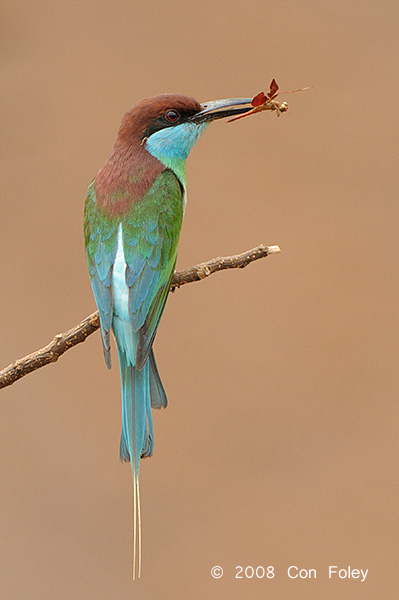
(136, 438)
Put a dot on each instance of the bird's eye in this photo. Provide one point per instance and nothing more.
(172, 116)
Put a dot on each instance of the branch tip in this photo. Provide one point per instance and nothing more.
(274, 249)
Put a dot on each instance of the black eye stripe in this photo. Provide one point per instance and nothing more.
(161, 122)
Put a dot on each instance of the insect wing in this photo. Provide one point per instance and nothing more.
(259, 99)
(272, 93)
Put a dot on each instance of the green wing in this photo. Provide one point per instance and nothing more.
(101, 235)
(151, 233)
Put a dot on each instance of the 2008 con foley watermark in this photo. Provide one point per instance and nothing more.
(333, 572)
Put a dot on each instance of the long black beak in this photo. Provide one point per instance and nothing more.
(219, 109)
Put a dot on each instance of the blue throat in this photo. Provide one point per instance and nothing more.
(172, 146)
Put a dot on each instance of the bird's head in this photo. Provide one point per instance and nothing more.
(169, 125)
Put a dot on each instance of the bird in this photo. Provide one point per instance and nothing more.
(132, 219)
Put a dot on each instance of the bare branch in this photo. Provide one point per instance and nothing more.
(64, 341)
(238, 261)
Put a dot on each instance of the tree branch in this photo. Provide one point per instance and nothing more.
(64, 341)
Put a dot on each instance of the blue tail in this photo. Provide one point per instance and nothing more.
(137, 438)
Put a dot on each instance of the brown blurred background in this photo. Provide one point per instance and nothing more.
(279, 446)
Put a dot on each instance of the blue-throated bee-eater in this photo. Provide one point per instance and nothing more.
(133, 215)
